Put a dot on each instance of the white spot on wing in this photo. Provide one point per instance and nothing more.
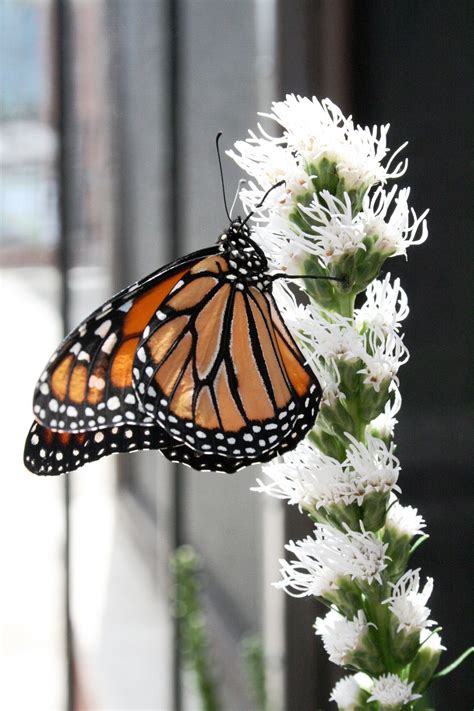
(126, 306)
(113, 403)
(103, 329)
(109, 343)
(95, 382)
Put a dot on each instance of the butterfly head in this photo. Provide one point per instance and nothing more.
(245, 258)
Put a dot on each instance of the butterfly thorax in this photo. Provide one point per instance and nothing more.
(247, 262)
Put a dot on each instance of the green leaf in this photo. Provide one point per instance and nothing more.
(451, 667)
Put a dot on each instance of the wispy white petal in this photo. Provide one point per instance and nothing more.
(408, 602)
(404, 519)
(341, 637)
(392, 692)
(347, 693)
(322, 559)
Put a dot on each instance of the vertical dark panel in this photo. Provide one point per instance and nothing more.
(63, 36)
(410, 64)
(413, 67)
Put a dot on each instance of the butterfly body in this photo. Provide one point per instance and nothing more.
(196, 354)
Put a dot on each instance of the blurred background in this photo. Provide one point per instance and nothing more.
(108, 113)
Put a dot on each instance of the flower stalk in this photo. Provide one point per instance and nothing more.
(335, 216)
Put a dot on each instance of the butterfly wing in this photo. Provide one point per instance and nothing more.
(51, 452)
(48, 452)
(217, 368)
(87, 384)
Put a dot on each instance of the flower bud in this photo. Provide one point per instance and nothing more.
(401, 525)
(427, 659)
(352, 692)
(349, 642)
(374, 510)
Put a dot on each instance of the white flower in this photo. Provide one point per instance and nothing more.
(431, 640)
(393, 231)
(313, 131)
(336, 230)
(317, 130)
(327, 556)
(408, 603)
(347, 691)
(329, 335)
(341, 636)
(270, 163)
(307, 477)
(325, 337)
(382, 359)
(404, 519)
(391, 692)
(374, 464)
(384, 424)
(385, 307)
(281, 243)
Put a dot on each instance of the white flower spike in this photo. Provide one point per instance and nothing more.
(334, 216)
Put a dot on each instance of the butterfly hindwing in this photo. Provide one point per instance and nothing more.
(50, 452)
(87, 384)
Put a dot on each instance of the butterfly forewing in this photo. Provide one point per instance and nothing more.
(88, 382)
(216, 371)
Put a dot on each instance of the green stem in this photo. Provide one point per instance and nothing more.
(346, 303)
(378, 614)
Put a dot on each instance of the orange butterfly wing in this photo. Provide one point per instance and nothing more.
(218, 369)
(87, 384)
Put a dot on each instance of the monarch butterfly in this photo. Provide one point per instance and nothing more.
(193, 360)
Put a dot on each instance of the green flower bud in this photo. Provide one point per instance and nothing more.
(374, 510)
(404, 643)
(427, 659)
(346, 597)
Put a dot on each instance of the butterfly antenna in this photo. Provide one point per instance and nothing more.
(283, 275)
(277, 185)
(222, 174)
